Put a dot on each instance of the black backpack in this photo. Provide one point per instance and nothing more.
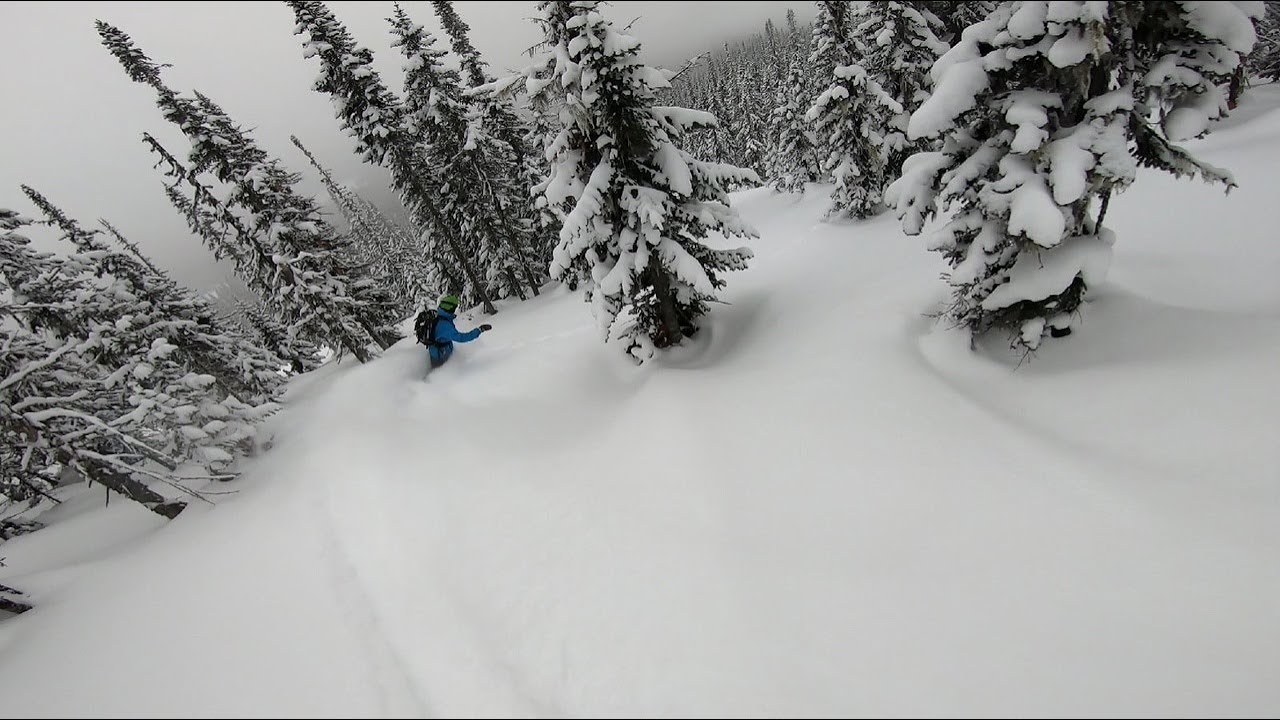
(424, 326)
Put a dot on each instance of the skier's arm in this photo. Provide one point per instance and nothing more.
(447, 331)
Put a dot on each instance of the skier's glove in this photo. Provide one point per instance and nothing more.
(486, 328)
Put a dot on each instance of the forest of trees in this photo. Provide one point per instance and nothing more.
(1003, 129)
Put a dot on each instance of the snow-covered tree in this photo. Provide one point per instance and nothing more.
(221, 230)
(311, 281)
(318, 281)
(481, 190)
(60, 403)
(545, 220)
(179, 374)
(473, 66)
(720, 136)
(750, 96)
(899, 43)
(1264, 61)
(749, 86)
(956, 15)
(52, 407)
(642, 207)
(775, 49)
(496, 112)
(1044, 111)
(496, 117)
(46, 286)
(829, 44)
(224, 234)
(242, 366)
(391, 250)
(852, 116)
(372, 114)
(299, 354)
(793, 153)
(370, 252)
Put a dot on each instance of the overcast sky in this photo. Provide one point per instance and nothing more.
(71, 121)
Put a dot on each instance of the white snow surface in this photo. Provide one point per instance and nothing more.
(826, 506)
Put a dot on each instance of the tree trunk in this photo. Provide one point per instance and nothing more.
(470, 272)
(127, 486)
(355, 348)
(35, 489)
(669, 324)
(528, 274)
(1235, 88)
(13, 528)
(9, 600)
(379, 335)
(520, 255)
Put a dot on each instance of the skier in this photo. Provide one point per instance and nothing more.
(435, 329)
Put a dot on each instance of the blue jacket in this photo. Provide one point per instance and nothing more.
(447, 334)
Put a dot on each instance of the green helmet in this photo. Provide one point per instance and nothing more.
(449, 303)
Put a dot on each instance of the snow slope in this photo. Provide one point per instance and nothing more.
(827, 506)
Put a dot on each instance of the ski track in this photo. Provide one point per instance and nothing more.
(384, 534)
(400, 695)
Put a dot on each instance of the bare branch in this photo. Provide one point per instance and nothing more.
(689, 65)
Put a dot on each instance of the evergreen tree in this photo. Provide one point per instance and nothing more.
(764, 71)
(376, 119)
(1044, 113)
(154, 273)
(481, 188)
(496, 112)
(721, 135)
(793, 32)
(473, 66)
(312, 282)
(799, 46)
(852, 116)
(793, 156)
(50, 408)
(370, 254)
(752, 126)
(220, 229)
(1264, 61)
(59, 405)
(242, 367)
(46, 287)
(899, 42)
(494, 116)
(775, 50)
(642, 208)
(828, 47)
(170, 369)
(299, 354)
(956, 15)
(224, 234)
(392, 251)
(318, 280)
(545, 219)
